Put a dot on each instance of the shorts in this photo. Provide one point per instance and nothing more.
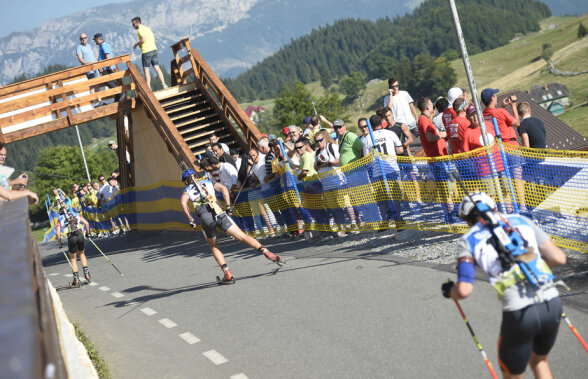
(150, 58)
(75, 241)
(533, 328)
(209, 221)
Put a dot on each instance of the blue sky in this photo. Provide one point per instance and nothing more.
(19, 16)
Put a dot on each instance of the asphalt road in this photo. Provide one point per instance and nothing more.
(358, 307)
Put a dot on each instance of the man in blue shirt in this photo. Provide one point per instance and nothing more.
(104, 52)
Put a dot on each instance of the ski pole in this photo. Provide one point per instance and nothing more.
(94, 243)
(492, 372)
(68, 261)
(573, 329)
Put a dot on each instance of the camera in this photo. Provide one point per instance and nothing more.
(511, 99)
(273, 143)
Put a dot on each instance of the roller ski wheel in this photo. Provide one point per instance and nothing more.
(77, 284)
(223, 281)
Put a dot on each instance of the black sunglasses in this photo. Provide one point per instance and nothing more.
(337, 127)
(319, 140)
(298, 147)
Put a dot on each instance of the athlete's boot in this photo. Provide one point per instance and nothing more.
(228, 277)
(86, 274)
(76, 280)
(271, 256)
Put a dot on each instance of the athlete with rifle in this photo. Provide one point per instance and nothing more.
(72, 225)
(517, 256)
(202, 194)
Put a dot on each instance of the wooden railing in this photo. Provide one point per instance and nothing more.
(198, 67)
(59, 100)
(161, 120)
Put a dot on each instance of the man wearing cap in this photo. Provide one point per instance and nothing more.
(506, 122)
(350, 145)
(148, 51)
(104, 52)
(307, 125)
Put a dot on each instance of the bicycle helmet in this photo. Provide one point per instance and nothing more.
(469, 203)
(187, 174)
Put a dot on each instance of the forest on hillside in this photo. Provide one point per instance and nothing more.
(381, 49)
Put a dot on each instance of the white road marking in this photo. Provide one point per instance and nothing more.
(167, 323)
(104, 288)
(93, 284)
(148, 311)
(190, 338)
(239, 376)
(68, 275)
(117, 294)
(54, 274)
(215, 357)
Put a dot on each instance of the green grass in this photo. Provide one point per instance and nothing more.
(97, 361)
(38, 234)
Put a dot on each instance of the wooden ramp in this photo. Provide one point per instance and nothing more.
(184, 115)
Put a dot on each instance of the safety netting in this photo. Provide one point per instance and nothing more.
(387, 192)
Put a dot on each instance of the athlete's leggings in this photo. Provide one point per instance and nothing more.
(533, 328)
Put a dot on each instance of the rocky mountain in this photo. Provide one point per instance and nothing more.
(231, 35)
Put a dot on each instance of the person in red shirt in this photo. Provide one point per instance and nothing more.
(449, 114)
(458, 125)
(434, 145)
(472, 139)
(506, 122)
(432, 140)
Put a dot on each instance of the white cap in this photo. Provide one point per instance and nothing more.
(453, 94)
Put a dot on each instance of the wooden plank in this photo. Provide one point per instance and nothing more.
(186, 107)
(198, 127)
(187, 73)
(194, 120)
(42, 97)
(40, 81)
(60, 106)
(205, 136)
(163, 94)
(171, 103)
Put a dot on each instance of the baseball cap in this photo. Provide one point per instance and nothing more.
(97, 35)
(271, 137)
(338, 122)
(453, 94)
(111, 142)
(470, 109)
(487, 94)
(285, 131)
(306, 120)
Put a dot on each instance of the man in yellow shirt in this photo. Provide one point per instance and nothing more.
(148, 50)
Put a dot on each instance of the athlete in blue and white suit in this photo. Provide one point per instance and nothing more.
(530, 316)
(210, 221)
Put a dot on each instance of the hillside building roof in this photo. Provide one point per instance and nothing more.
(548, 92)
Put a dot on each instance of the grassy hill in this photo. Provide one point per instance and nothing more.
(517, 65)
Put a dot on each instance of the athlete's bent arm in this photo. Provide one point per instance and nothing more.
(184, 203)
(222, 189)
(552, 254)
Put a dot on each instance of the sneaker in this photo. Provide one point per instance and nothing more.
(341, 234)
(165, 86)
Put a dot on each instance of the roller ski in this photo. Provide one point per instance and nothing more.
(76, 282)
(228, 278)
(271, 256)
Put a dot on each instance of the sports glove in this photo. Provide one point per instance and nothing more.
(192, 224)
(229, 210)
(446, 288)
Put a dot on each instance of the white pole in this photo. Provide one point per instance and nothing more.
(83, 155)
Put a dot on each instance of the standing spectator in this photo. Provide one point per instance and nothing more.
(307, 157)
(294, 132)
(257, 166)
(327, 154)
(211, 173)
(85, 55)
(263, 146)
(227, 173)
(401, 131)
(387, 141)
(214, 139)
(506, 122)
(441, 105)
(458, 125)
(114, 147)
(6, 185)
(315, 124)
(434, 145)
(432, 140)
(350, 145)
(363, 128)
(148, 51)
(104, 52)
(218, 151)
(531, 130)
(402, 105)
(236, 158)
(449, 114)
